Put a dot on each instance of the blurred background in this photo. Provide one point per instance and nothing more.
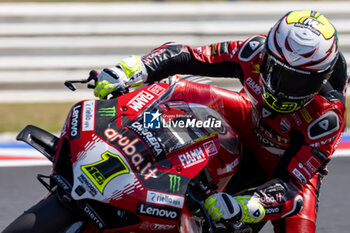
(44, 43)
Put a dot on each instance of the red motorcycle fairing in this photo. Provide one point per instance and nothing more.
(118, 163)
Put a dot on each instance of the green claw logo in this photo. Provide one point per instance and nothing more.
(110, 112)
(175, 183)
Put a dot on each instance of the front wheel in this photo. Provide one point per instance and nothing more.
(49, 215)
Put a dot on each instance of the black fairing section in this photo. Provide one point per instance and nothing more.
(49, 215)
(112, 216)
(63, 164)
(43, 141)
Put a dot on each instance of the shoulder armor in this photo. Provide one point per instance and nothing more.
(251, 47)
(324, 125)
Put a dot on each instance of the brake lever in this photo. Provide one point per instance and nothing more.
(92, 76)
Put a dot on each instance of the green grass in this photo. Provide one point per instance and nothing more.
(49, 116)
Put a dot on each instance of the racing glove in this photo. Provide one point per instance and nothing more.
(130, 72)
(222, 206)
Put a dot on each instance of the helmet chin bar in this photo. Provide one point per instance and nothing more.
(279, 106)
(284, 105)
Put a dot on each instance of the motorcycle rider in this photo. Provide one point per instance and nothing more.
(290, 115)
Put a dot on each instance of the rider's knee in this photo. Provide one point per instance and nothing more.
(297, 207)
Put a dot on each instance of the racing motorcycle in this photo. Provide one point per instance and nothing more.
(138, 162)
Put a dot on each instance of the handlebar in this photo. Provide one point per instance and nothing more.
(93, 77)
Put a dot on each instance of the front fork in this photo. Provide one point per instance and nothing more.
(197, 218)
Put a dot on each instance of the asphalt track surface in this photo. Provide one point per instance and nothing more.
(19, 190)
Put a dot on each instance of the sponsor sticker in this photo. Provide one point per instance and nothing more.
(273, 210)
(158, 211)
(306, 115)
(149, 226)
(94, 216)
(285, 125)
(192, 157)
(298, 175)
(151, 140)
(175, 183)
(86, 185)
(129, 149)
(156, 89)
(313, 164)
(74, 123)
(140, 100)
(253, 85)
(103, 171)
(89, 115)
(165, 199)
(107, 112)
(210, 148)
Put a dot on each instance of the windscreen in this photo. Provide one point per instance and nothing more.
(173, 125)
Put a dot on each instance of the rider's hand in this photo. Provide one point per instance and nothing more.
(108, 81)
(129, 72)
(222, 206)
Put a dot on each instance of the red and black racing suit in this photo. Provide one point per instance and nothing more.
(292, 149)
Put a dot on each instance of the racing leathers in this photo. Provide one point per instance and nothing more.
(293, 149)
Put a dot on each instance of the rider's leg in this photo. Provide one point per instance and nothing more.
(305, 221)
(249, 174)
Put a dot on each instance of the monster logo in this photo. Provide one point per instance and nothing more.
(175, 183)
(111, 111)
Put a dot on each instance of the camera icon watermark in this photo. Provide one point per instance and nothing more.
(151, 120)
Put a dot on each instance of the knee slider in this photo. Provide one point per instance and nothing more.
(297, 207)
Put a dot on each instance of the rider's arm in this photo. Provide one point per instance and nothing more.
(215, 60)
(302, 166)
(300, 170)
(225, 59)
(298, 175)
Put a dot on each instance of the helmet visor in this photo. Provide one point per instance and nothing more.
(287, 82)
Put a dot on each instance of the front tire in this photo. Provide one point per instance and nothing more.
(49, 215)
